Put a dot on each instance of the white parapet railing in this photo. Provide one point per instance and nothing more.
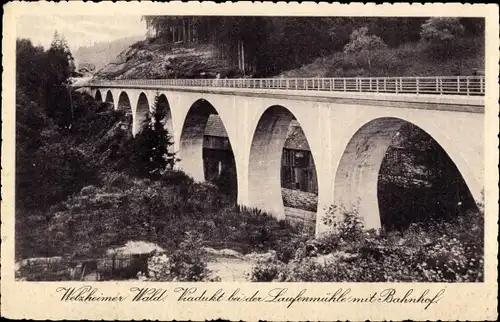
(441, 85)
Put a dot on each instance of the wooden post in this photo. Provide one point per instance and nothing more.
(183, 30)
(243, 57)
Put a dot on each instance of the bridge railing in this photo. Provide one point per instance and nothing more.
(442, 85)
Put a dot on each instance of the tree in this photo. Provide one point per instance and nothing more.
(30, 69)
(443, 36)
(151, 155)
(59, 65)
(362, 43)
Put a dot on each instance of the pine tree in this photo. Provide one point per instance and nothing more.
(59, 65)
(152, 145)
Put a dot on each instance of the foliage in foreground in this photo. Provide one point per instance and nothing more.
(188, 263)
(162, 211)
(450, 251)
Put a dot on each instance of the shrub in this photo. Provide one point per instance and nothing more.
(58, 171)
(346, 228)
(188, 263)
(434, 251)
(266, 271)
(306, 270)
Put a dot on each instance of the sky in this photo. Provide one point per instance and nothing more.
(79, 30)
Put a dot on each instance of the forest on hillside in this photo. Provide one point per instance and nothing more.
(272, 45)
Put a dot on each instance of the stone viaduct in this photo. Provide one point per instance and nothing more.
(348, 134)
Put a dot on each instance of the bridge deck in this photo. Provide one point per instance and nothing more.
(460, 103)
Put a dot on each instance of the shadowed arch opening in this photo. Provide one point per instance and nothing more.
(395, 174)
(164, 108)
(124, 105)
(98, 96)
(205, 148)
(282, 172)
(109, 99)
(141, 113)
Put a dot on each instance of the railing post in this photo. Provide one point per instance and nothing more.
(385, 84)
(396, 86)
(481, 82)
(418, 85)
(458, 84)
(467, 84)
(332, 84)
(345, 85)
(437, 85)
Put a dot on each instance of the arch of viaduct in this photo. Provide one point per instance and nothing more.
(348, 138)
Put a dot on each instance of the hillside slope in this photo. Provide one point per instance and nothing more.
(410, 59)
(149, 59)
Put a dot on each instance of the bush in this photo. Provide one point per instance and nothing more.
(307, 270)
(162, 212)
(188, 263)
(57, 171)
(267, 269)
(434, 251)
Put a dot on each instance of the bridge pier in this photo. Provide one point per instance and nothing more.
(356, 180)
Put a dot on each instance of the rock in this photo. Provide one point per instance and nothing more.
(334, 257)
(222, 252)
(88, 190)
(262, 257)
(38, 261)
(136, 248)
